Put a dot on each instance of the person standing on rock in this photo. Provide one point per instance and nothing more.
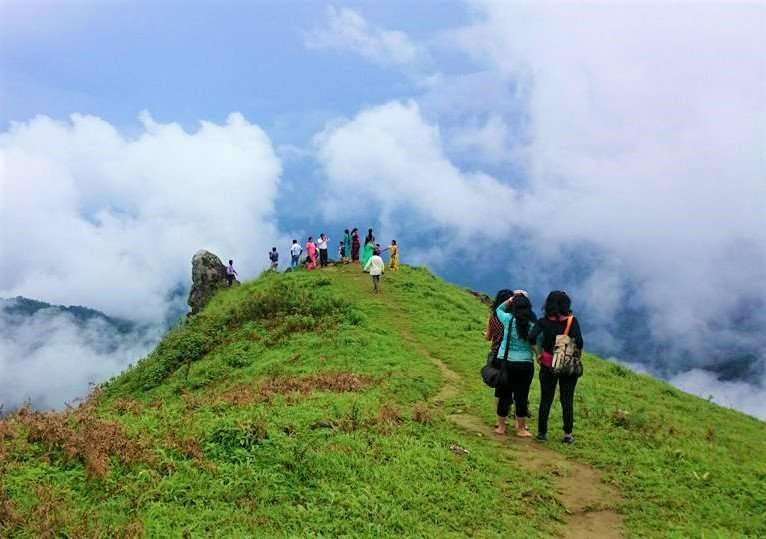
(517, 318)
(230, 272)
(274, 258)
(323, 243)
(558, 320)
(295, 254)
(311, 252)
(375, 266)
(355, 244)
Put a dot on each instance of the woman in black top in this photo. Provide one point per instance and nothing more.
(557, 314)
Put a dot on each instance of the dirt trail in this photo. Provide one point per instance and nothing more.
(589, 502)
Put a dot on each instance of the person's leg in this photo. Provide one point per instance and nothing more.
(325, 257)
(503, 408)
(375, 282)
(566, 396)
(522, 378)
(547, 392)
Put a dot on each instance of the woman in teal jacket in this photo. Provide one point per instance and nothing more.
(517, 319)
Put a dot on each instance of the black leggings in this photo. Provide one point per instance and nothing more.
(520, 374)
(548, 382)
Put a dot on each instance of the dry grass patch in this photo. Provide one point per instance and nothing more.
(80, 435)
(265, 391)
(422, 413)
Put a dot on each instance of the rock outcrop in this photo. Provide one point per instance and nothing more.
(208, 275)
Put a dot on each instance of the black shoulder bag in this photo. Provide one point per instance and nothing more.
(494, 373)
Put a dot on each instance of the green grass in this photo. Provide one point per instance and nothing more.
(243, 427)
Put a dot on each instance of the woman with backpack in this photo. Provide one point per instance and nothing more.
(548, 334)
(517, 318)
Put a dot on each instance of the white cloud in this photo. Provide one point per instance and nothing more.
(90, 216)
(391, 157)
(490, 139)
(739, 395)
(349, 31)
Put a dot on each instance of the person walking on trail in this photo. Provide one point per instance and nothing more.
(346, 246)
(355, 245)
(311, 254)
(295, 254)
(558, 320)
(230, 272)
(517, 318)
(323, 243)
(376, 267)
(369, 248)
(274, 258)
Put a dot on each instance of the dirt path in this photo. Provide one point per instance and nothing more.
(589, 502)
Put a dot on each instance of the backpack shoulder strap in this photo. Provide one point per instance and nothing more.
(569, 324)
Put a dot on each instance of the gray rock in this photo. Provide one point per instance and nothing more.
(208, 275)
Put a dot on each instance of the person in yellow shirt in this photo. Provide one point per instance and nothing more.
(393, 250)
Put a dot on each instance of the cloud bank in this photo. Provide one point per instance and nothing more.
(638, 168)
(50, 358)
(94, 217)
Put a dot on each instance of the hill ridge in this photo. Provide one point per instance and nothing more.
(302, 404)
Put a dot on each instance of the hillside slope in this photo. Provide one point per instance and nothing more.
(301, 404)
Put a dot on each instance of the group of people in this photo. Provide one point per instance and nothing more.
(518, 340)
(350, 249)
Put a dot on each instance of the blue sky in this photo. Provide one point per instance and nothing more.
(614, 150)
(186, 61)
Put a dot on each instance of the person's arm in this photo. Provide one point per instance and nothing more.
(534, 336)
(502, 314)
(576, 334)
(367, 265)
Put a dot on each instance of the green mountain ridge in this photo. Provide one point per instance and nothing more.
(301, 404)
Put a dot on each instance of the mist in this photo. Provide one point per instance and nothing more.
(50, 358)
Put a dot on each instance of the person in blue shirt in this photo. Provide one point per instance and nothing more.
(515, 351)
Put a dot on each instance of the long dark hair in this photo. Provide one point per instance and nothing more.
(370, 237)
(521, 308)
(501, 297)
(558, 304)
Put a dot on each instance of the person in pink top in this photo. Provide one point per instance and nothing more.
(311, 251)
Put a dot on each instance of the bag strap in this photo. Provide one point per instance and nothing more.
(508, 338)
(569, 324)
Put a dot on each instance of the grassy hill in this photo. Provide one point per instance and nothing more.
(302, 405)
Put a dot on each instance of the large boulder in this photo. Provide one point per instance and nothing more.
(208, 275)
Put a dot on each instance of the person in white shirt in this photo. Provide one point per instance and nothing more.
(295, 254)
(322, 244)
(375, 266)
(230, 272)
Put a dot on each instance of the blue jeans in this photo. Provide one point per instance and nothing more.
(294, 261)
